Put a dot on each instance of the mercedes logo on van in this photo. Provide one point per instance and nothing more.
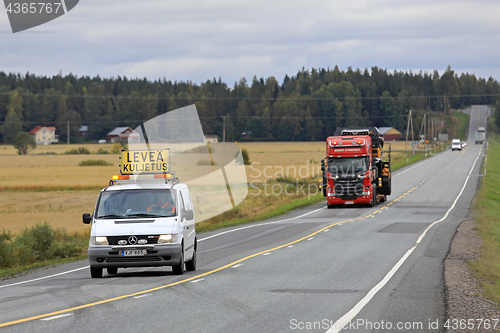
(132, 240)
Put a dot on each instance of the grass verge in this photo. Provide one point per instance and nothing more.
(38, 246)
(212, 225)
(487, 205)
(463, 121)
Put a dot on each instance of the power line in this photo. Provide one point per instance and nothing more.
(204, 98)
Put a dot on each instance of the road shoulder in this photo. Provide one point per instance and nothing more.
(462, 289)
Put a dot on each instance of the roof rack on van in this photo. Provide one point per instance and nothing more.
(145, 178)
(152, 165)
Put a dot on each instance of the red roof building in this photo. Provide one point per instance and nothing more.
(44, 135)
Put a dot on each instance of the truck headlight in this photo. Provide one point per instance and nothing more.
(168, 238)
(99, 240)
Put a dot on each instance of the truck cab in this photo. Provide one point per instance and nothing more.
(353, 171)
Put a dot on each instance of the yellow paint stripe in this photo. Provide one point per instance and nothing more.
(10, 323)
(165, 286)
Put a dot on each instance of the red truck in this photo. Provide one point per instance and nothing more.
(353, 170)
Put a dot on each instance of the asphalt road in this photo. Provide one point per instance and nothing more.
(369, 269)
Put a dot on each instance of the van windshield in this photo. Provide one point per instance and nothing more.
(136, 203)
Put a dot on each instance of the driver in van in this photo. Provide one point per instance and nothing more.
(163, 203)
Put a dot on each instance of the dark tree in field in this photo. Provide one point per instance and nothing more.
(24, 142)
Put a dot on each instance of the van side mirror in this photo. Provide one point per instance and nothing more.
(188, 214)
(86, 218)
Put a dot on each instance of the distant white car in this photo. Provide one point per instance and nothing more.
(464, 144)
(456, 145)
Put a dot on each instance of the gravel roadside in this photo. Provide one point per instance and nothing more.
(463, 292)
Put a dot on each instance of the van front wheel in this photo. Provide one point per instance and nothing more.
(191, 264)
(179, 268)
(112, 270)
(95, 272)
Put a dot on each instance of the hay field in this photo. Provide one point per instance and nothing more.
(21, 206)
(62, 209)
(287, 159)
(62, 187)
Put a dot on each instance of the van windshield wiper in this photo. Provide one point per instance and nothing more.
(143, 215)
(110, 216)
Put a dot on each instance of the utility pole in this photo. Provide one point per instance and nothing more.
(412, 137)
(68, 131)
(224, 133)
(407, 129)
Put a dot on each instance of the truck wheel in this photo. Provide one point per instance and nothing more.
(112, 270)
(330, 206)
(179, 268)
(191, 264)
(374, 199)
(95, 272)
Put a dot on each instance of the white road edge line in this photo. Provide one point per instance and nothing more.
(260, 224)
(221, 233)
(44, 277)
(57, 317)
(416, 165)
(345, 319)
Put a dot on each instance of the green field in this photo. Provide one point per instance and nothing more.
(487, 208)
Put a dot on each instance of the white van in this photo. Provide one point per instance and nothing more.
(142, 224)
(456, 144)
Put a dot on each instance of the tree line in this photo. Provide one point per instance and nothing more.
(307, 106)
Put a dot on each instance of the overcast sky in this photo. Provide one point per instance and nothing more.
(198, 40)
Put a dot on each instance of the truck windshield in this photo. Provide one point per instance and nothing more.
(136, 203)
(348, 165)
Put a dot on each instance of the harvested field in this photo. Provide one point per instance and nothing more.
(53, 188)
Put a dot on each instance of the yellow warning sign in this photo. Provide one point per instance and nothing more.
(145, 161)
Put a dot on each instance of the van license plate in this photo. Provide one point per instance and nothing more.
(349, 202)
(126, 253)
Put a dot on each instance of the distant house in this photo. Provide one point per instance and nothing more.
(123, 134)
(389, 133)
(83, 131)
(211, 138)
(44, 135)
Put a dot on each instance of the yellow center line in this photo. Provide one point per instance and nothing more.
(83, 306)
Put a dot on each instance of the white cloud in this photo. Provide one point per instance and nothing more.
(199, 40)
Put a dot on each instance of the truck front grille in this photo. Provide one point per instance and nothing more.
(348, 189)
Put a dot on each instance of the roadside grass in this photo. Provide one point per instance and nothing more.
(405, 159)
(264, 201)
(37, 246)
(463, 121)
(487, 207)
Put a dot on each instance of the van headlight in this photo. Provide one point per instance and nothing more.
(99, 240)
(168, 238)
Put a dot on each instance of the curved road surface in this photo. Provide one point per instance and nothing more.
(315, 269)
